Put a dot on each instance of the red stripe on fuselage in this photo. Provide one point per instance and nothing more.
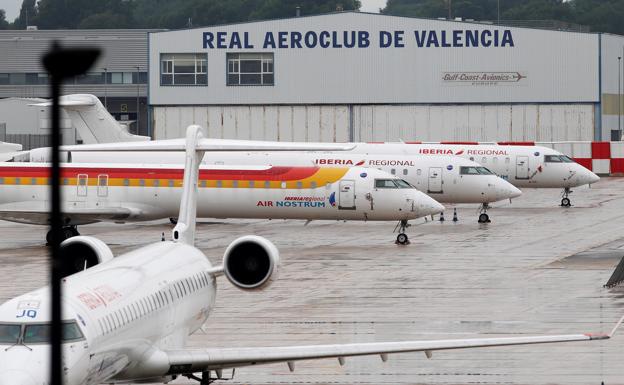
(273, 173)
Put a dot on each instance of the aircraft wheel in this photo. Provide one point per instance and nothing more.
(174, 221)
(484, 218)
(402, 239)
(68, 232)
(565, 202)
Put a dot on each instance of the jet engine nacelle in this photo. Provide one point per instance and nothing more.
(251, 262)
(80, 253)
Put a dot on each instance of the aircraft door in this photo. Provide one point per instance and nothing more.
(102, 186)
(522, 167)
(347, 195)
(435, 180)
(82, 185)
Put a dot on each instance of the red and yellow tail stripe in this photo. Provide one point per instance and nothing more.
(273, 177)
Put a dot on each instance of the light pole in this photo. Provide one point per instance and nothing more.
(138, 108)
(61, 64)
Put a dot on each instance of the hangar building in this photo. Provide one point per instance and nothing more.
(118, 78)
(369, 77)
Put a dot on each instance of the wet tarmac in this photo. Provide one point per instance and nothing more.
(536, 269)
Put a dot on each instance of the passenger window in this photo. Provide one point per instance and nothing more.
(219, 183)
(251, 184)
(495, 160)
(156, 182)
(405, 171)
(418, 172)
(483, 160)
(472, 158)
(202, 183)
(507, 160)
(33, 181)
(170, 182)
(283, 184)
(267, 184)
(1, 180)
(17, 181)
(235, 184)
(299, 184)
(65, 181)
(312, 184)
(142, 182)
(393, 171)
(126, 182)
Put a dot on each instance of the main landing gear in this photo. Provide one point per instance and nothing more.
(402, 238)
(483, 216)
(66, 233)
(565, 201)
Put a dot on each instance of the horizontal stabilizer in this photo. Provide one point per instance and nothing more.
(618, 275)
(210, 145)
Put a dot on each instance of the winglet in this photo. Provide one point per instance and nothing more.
(615, 328)
(184, 231)
(603, 336)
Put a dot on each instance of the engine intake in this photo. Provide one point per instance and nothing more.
(82, 252)
(251, 262)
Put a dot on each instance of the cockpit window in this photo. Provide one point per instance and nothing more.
(9, 333)
(34, 334)
(403, 184)
(466, 170)
(552, 159)
(31, 333)
(484, 171)
(385, 183)
(566, 159)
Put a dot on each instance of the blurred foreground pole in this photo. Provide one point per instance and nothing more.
(61, 63)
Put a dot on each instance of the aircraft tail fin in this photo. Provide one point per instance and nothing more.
(618, 275)
(184, 231)
(92, 121)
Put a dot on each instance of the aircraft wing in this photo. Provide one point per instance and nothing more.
(210, 145)
(197, 360)
(33, 212)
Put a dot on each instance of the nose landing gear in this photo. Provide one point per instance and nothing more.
(565, 201)
(402, 238)
(483, 216)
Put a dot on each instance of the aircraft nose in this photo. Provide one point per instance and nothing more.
(430, 206)
(591, 177)
(18, 377)
(512, 191)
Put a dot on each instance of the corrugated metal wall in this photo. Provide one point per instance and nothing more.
(282, 123)
(518, 122)
(331, 123)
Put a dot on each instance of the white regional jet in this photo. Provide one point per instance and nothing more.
(447, 179)
(128, 318)
(123, 193)
(521, 165)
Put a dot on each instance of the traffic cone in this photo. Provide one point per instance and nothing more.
(455, 215)
(442, 216)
